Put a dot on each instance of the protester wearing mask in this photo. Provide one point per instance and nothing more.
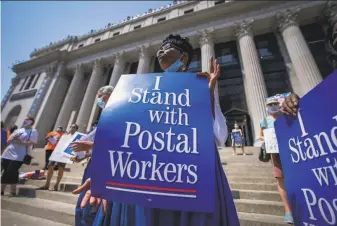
(237, 139)
(73, 129)
(19, 145)
(85, 214)
(273, 109)
(52, 139)
(175, 56)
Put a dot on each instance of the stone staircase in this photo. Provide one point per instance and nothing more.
(253, 186)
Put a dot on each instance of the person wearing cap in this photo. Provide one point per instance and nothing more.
(273, 109)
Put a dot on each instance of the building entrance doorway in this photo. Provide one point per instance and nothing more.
(241, 117)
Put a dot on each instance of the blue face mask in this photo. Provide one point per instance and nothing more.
(100, 103)
(175, 66)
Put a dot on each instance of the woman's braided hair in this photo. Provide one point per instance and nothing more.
(180, 42)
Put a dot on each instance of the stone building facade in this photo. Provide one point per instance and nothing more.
(263, 47)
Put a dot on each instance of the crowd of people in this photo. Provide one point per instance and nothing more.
(174, 56)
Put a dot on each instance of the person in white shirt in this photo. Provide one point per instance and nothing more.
(19, 145)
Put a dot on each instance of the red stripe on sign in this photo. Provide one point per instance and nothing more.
(151, 187)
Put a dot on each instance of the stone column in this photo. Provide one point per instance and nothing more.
(15, 81)
(90, 96)
(70, 100)
(255, 88)
(51, 104)
(144, 60)
(207, 48)
(294, 81)
(118, 69)
(299, 52)
(50, 72)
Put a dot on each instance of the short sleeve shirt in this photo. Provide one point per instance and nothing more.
(267, 123)
(16, 151)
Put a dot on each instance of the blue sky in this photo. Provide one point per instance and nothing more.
(28, 25)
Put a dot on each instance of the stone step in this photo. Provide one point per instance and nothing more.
(10, 218)
(237, 173)
(30, 191)
(51, 210)
(266, 180)
(247, 164)
(64, 186)
(244, 168)
(257, 195)
(254, 186)
(253, 219)
(259, 207)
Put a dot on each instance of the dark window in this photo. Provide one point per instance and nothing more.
(219, 2)
(133, 68)
(115, 34)
(37, 79)
(189, 11)
(136, 27)
(314, 36)
(195, 65)
(24, 82)
(97, 40)
(29, 82)
(272, 64)
(81, 45)
(109, 75)
(231, 88)
(157, 68)
(161, 19)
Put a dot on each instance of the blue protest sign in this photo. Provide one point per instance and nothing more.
(237, 137)
(154, 144)
(308, 151)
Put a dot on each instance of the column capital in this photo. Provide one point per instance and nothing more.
(143, 51)
(51, 70)
(244, 28)
(79, 68)
(119, 57)
(287, 18)
(97, 63)
(330, 11)
(206, 36)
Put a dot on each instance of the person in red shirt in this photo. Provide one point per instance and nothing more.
(53, 137)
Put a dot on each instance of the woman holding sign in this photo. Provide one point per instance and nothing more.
(175, 56)
(273, 108)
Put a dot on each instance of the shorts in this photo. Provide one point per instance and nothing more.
(59, 164)
(277, 166)
(10, 171)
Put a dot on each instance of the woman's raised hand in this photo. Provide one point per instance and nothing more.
(213, 74)
(290, 105)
